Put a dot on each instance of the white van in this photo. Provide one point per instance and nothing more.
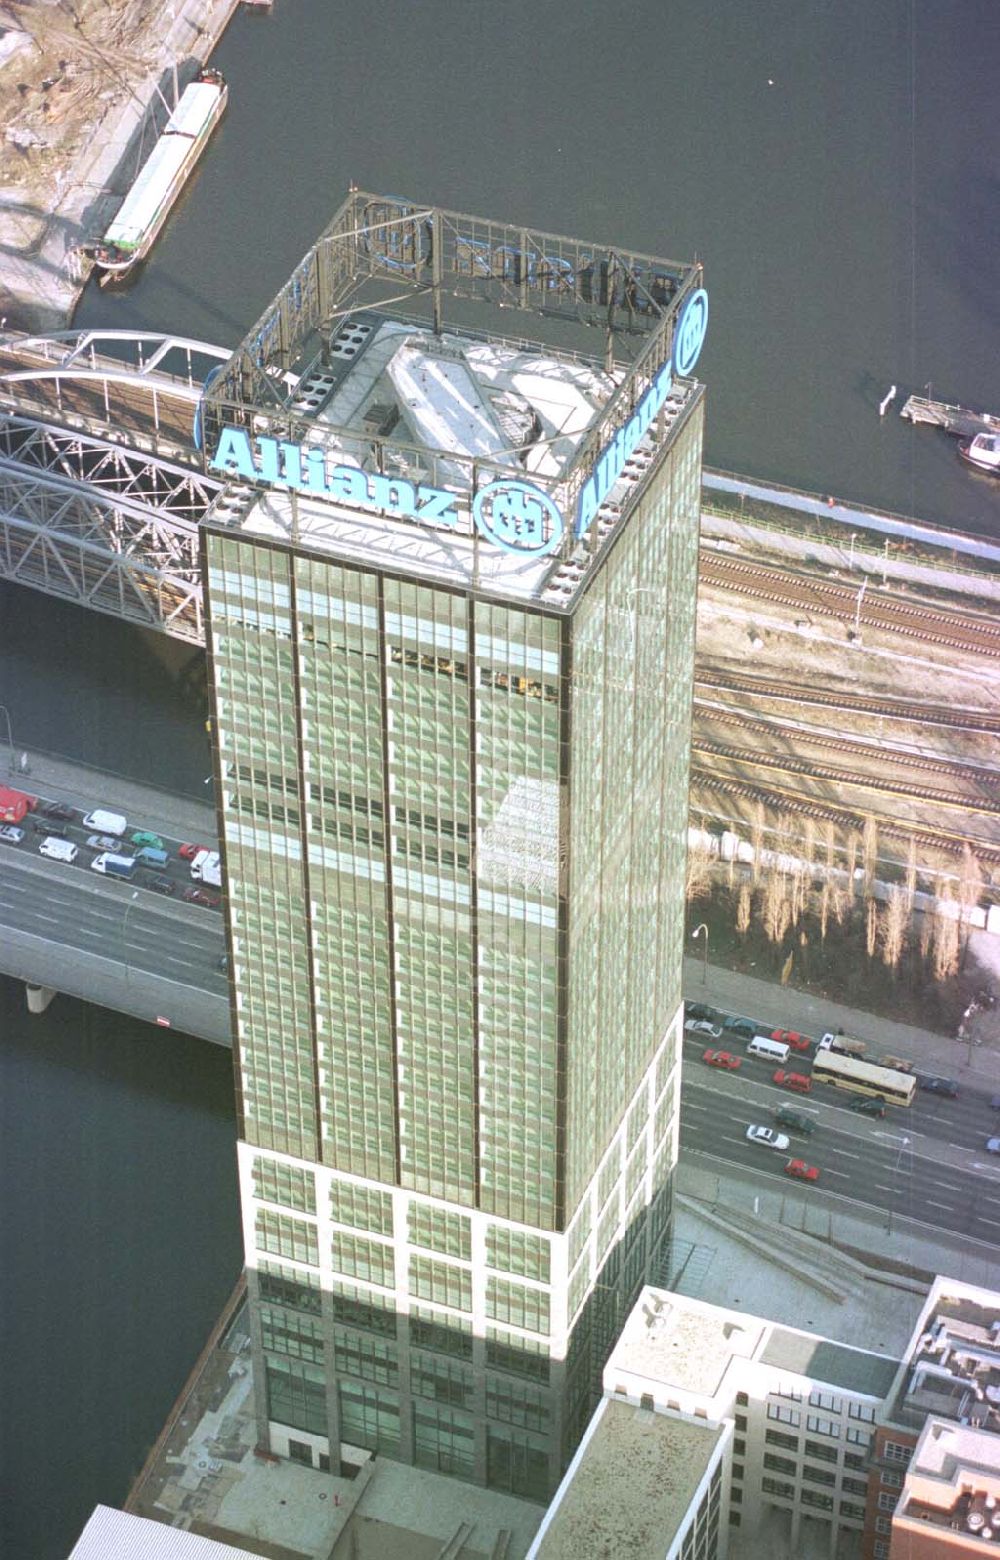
(103, 822)
(59, 850)
(207, 868)
(770, 1050)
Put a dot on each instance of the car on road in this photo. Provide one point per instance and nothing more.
(946, 1086)
(200, 896)
(103, 821)
(792, 1039)
(188, 852)
(222, 963)
(993, 1145)
(701, 1026)
(145, 838)
(103, 842)
(739, 1026)
(768, 1138)
(995, 1102)
(794, 1120)
(11, 834)
(868, 1105)
(48, 826)
(801, 1171)
(159, 885)
(700, 1010)
(722, 1059)
(58, 849)
(792, 1080)
(60, 810)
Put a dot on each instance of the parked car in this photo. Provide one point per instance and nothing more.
(60, 810)
(794, 1120)
(722, 1059)
(946, 1086)
(995, 1102)
(11, 834)
(691, 1009)
(103, 842)
(200, 896)
(146, 838)
(993, 1145)
(188, 852)
(739, 1026)
(801, 1171)
(159, 885)
(868, 1105)
(222, 963)
(701, 1026)
(768, 1138)
(792, 1039)
(792, 1080)
(58, 849)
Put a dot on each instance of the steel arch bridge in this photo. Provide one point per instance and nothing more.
(101, 488)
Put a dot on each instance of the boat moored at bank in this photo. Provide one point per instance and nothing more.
(146, 207)
(983, 452)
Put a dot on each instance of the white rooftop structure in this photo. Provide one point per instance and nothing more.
(117, 1535)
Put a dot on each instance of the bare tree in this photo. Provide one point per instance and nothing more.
(827, 888)
(852, 861)
(698, 881)
(871, 927)
(911, 874)
(869, 855)
(776, 912)
(969, 889)
(744, 904)
(893, 923)
(946, 935)
(757, 839)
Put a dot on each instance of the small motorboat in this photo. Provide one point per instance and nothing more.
(983, 452)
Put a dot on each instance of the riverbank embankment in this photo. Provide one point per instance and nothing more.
(79, 86)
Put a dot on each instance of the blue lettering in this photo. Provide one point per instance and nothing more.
(435, 504)
(233, 455)
(268, 451)
(314, 479)
(394, 494)
(349, 485)
(291, 459)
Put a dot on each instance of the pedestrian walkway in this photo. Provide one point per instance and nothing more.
(976, 1061)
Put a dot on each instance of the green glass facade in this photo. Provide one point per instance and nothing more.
(454, 832)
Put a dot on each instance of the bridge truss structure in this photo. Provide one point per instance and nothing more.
(109, 528)
(101, 488)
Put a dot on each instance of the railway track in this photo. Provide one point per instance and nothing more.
(954, 769)
(843, 816)
(874, 609)
(909, 710)
(800, 766)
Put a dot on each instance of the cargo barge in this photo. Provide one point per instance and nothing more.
(149, 202)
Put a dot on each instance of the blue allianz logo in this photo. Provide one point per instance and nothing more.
(689, 336)
(518, 517)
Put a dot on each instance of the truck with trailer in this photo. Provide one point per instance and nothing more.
(847, 1045)
(14, 804)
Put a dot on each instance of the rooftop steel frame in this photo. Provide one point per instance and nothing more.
(380, 251)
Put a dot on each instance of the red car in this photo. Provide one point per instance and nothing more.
(801, 1171)
(723, 1059)
(792, 1039)
(188, 852)
(789, 1080)
(201, 896)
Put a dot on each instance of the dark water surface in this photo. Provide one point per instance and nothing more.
(846, 215)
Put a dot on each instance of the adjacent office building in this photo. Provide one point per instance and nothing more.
(451, 598)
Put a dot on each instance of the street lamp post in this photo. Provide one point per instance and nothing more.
(704, 952)
(904, 1144)
(857, 609)
(10, 739)
(128, 910)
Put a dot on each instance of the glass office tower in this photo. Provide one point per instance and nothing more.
(452, 740)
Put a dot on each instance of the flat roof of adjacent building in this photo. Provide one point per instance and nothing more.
(855, 1370)
(630, 1486)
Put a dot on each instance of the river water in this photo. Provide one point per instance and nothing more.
(832, 165)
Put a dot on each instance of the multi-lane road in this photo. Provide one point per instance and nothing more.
(926, 1162)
